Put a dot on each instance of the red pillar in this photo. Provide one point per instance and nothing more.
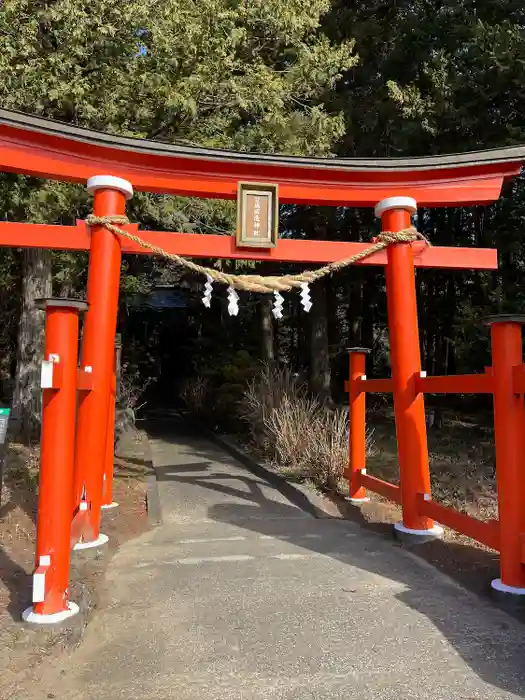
(110, 194)
(55, 498)
(109, 467)
(357, 427)
(509, 427)
(409, 408)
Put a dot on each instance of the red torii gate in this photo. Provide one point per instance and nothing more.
(75, 443)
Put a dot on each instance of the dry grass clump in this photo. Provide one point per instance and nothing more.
(297, 432)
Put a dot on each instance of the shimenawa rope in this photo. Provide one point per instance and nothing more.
(258, 283)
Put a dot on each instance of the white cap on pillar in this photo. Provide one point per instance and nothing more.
(407, 203)
(99, 182)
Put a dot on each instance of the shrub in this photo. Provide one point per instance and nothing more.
(327, 447)
(287, 429)
(296, 431)
(132, 387)
(215, 393)
(265, 394)
(194, 393)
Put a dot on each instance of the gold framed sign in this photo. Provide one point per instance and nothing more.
(257, 215)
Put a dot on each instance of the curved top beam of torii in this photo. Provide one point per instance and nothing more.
(34, 146)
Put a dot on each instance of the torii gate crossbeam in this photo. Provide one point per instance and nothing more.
(193, 245)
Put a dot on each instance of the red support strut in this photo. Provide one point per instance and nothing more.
(409, 408)
(357, 427)
(110, 194)
(107, 490)
(55, 500)
(509, 427)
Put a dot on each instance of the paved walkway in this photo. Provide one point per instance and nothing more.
(242, 596)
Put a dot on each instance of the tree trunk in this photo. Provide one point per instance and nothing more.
(450, 365)
(27, 400)
(319, 356)
(429, 325)
(368, 311)
(333, 332)
(355, 308)
(267, 334)
(332, 308)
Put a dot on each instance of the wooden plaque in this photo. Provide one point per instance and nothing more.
(257, 215)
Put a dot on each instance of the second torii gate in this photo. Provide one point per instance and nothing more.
(112, 167)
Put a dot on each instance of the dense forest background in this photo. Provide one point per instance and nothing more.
(397, 78)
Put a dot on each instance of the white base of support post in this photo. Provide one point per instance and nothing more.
(114, 504)
(511, 598)
(37, 619)
(500, 587)
(101, 539)
(406, 534)
(357, 501)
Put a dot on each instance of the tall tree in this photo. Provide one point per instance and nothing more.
(441, 78)
(245, 75)
(249, 75)
(37, 283)
(320, 371)
(267, 331)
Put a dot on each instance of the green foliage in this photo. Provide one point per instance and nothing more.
(283, 75)
(249, 75)
(246, 74)
(436, 78)
(229, 380)
(224, 385)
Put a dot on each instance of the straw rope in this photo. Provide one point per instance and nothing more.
(259, 283)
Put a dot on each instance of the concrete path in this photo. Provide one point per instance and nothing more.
(242, 596)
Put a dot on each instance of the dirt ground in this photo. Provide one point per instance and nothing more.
(22, 647)
(462, 469)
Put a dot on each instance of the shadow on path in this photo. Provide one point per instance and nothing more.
(489, 641)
